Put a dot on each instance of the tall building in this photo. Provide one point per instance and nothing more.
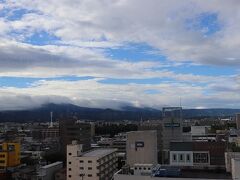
(238, 120)
(141, 147)
(9, 155)
(99, 164)
(172, 125)
(153, 126)
(71, 129)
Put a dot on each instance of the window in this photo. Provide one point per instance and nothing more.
(144, 168)
(81, 161)
(90, 161)
(89, 175)
(200, 158)
(148, 168)
(69, 176)
(82, 168)
(2, 155)
(181, 157)
(174, 157)
(188, 158)
(2, 161)
(69, 169)
(69, 162)
(69, 154)
(135, 168)
(89, 168)
(140, 168)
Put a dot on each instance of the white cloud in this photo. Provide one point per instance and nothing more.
(85, 28)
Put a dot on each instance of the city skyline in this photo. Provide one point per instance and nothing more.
(110, 54)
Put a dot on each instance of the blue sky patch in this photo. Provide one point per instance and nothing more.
(206, 23)
(135, 52)
(42, 38)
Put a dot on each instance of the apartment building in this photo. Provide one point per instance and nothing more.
(99, 164)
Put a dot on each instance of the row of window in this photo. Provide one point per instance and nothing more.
(140, 168)
(201, 157)
(81, 161)
(81, 175)
(181, 158)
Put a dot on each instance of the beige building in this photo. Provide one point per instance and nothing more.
(99, 164)
(238, 120)
(141, 147)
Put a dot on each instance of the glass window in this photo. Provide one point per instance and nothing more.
(188, 158)
(174, 157)
(200, 158)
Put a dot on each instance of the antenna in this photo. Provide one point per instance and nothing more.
(51, 123)
(180, 101)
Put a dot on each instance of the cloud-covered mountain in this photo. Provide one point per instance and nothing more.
(64, 111)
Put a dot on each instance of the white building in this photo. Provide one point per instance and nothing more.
(141, 147)
(99, 164)
(235, 169)
(228, 157)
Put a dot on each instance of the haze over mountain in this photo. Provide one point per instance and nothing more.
(64, 111)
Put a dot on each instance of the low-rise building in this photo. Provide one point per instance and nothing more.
(48, 172)
(198, 154)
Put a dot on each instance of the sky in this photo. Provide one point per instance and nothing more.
(116, 53)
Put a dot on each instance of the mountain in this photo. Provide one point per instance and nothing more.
(61, 111)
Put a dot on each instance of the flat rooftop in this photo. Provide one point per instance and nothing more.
(98, 152)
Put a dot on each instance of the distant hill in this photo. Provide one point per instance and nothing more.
(42, 114)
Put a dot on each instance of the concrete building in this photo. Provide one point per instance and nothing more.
(228, 157)
(153, 126)
(9, 155)
(141, 147)
(71, 129)
(99, 164)
(48, 172)
(238, 120)
(198, 155)
(200, 130)
(172, 125)
(235, 169)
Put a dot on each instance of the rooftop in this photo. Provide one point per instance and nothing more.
(51, 165)
(98, 153)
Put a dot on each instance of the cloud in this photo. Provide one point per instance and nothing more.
(92, 93)
(69, 38)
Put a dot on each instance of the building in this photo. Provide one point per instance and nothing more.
(50, 132)
(200, 130)
(153, 126)
(172, 125)
(71, 129)
(141, 147)
(61, 174)
(198, 154)
(238, 120)
(99, 164)
(228, 157)
(9, 155)
(48, 172)
(235, 169)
